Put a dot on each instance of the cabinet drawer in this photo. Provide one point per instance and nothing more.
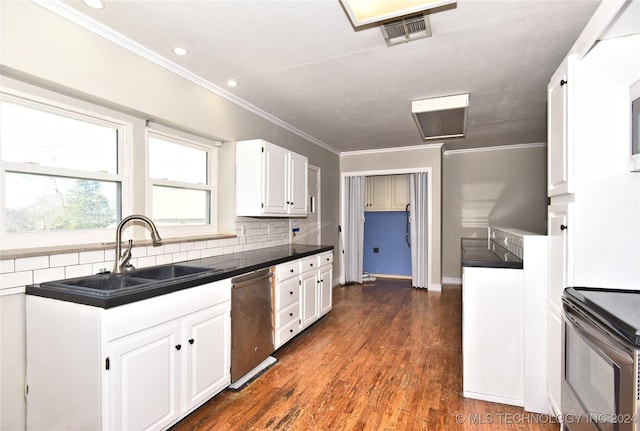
(308, 264)
(287, 293)
(288, 314)
(287, 270)
(285, 333)
(325, 259)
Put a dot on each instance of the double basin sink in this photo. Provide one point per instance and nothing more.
(110, 281)
(110, 290)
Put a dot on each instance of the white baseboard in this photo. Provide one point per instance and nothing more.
(451, 280)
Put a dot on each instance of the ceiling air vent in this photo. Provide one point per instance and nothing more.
(406, 29)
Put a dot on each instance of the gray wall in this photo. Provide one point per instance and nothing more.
(408, 158)
(499, 187)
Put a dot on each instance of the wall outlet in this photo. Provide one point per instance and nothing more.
(243, 231)
(269, 229)
(376, 250)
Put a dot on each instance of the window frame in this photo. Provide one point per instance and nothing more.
(211, 148)
(90, 114)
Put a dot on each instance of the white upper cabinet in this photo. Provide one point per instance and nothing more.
(387, 193)
(560, 136)
(270, 180)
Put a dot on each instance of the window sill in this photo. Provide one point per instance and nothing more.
(43, 251)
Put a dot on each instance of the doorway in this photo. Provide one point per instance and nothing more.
(387, 245)
(353, 192)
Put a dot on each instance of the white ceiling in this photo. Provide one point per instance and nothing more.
(302, 62)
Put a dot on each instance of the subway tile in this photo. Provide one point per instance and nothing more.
(31, 263)
(16, 279)
(7, 265)
(138, 252)
(172, 248)
(155, 251)
(164, 259)
(66, 259)
(145, 262)
(207, 252)
(49, 274)
(200, 245)
(179, 257)
(187, 246)
(194, 254)
(91, 256)
(78, 271)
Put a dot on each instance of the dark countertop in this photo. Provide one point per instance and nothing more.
(476, 252)
(221, 267)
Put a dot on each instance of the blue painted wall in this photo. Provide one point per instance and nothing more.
(386, 230)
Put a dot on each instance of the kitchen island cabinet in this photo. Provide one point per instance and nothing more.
(143, 365)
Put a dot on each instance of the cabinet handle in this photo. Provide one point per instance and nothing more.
(291, 292)
(563, 82)
(178, 347)
(563, 227)
(291, 270)
(292, 203)
(311, 264)
(290, 314)
(318, 282)
(291, 330)
(191, 341)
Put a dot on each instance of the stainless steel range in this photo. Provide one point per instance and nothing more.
(601, 387)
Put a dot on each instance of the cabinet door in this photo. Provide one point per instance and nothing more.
(276, 162)
(206, 342)
(309, 298)
(559, 96)
(298, 184)
(143, 379)
(326, 289)
(378, 193)
(399, 192)
(560, 252)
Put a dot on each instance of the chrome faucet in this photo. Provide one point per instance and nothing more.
(121, 260)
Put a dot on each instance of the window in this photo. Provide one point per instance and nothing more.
(182, 182)
(62, 174)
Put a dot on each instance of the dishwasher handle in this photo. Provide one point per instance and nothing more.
(251, 278)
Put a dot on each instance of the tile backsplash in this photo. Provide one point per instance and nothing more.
(251, 234)
(508, 239)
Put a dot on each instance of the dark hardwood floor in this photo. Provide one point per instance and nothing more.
(387, 357)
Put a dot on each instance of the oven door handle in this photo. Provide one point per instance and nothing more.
(599, 338)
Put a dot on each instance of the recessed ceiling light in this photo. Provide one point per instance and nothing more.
(232, 83)
(96, 4)
(180, 51)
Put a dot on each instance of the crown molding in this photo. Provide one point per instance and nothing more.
(90, 24)
(390, 149)
(496, 148)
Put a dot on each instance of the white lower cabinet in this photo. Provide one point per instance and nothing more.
(302, 294)
(141, 366)
(309, 311)
(325, 299)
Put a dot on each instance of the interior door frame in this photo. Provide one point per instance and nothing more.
(429, 171)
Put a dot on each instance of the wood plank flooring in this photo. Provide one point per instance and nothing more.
(387, 357)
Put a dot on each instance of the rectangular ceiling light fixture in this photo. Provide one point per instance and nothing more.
(363, 12)
(441, 117)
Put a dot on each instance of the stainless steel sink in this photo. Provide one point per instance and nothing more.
(105, 282)
(167, 272)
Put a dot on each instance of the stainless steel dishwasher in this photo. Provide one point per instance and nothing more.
(251, 326)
